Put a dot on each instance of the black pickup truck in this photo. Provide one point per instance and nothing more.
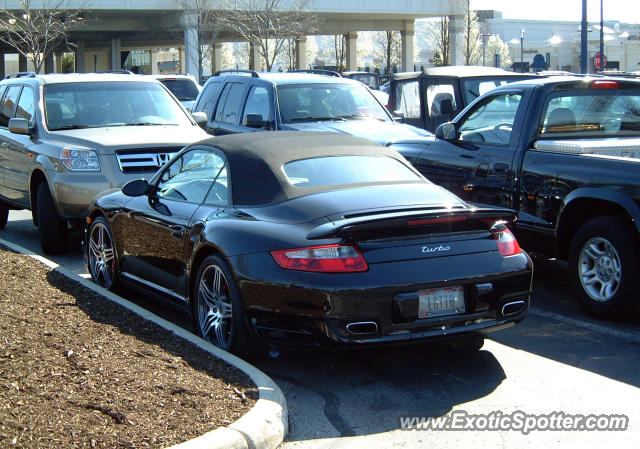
(564, 152)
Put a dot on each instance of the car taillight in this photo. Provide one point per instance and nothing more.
(603, 84)
(507, 243)
(325, 259)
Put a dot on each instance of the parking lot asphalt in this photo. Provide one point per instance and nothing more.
(557, 360)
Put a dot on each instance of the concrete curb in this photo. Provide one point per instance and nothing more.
(263, 427)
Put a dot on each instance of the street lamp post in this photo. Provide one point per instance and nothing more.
(484, 45)
(522, 50)
(601, 38)
(583, 39)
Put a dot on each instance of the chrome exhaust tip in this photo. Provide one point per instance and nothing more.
(362, 328)
(511, 308)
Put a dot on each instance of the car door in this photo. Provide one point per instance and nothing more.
(228, 111)
(20, 154)
(156, 227)
(477, 165)
(2, 146)
(9, 145)
(259, 102)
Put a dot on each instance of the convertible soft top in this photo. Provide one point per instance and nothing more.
(256, 160)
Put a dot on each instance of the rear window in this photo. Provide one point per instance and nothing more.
(593, 113)
(340, 170)
(184, 90)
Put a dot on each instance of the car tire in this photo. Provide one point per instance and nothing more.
(218, 311)
(101, 255)
(603, 266)
(4, 214)
(52, 229)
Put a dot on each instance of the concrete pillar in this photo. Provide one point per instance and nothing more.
(22, 63)
(352, 51)
(301, 53)
(154, 61)
(49, 66)
(81, 65)
(2, 67)
(217, 57)
(191, 43)
(116, 62)
(456, 32)
(255, 60)
(407, 45)
(58, 61)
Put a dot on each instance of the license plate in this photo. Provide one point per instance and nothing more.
(440, 301)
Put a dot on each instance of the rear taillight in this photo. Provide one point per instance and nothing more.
(507, 243)
(603, 84)
(325, 259)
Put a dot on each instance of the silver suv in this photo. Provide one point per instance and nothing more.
(66, 138)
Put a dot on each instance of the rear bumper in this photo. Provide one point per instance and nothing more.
(380, 307)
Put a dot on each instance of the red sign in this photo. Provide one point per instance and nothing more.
(599, 61)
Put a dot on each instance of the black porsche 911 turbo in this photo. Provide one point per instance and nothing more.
(309, 239)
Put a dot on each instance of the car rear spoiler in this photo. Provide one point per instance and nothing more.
(381, 220)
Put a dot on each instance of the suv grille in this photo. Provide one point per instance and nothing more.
(145, 160)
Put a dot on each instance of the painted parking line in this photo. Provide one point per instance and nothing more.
(627, 335)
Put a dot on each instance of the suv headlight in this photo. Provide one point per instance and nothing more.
(77, 159)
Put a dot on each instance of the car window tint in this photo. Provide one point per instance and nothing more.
(233, 102)
(491, 120)
(408, 98)
(441, 100)
(26, 104)
(474, 87)
(190, 177)
(222, 101)
(340, 170)
(8, 103)
(257, 103)
(183, 89)
(208, 98)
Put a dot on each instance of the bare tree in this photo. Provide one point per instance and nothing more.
(267, 25)
(202, 16)
(340, 51)
(495, 46)
(440, 39)
(471, 48)
(35, 32)
(391, 44)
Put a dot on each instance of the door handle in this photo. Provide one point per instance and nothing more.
(177, 231)
(501, 169)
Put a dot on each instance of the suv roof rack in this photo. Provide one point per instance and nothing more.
(21, 75)
(253, 73)
(117, 71)
(324, 72)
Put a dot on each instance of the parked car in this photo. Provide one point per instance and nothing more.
(437, 94)
(65, 138)
(246, 101)
(371, 80)
(565, 153)
(309, 239)
(184, 87)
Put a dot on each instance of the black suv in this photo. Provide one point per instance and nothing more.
(436, 95)
(246, 101)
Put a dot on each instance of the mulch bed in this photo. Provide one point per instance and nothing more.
(79, 371)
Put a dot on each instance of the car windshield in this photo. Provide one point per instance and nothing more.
(183, 89)
(594, 113)
(312, 102)
(110, 103)
(472, 88)
(340, 170)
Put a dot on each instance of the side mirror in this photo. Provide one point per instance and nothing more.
(398, 115)
(137, 187)
(200, 117)
(19, 126)
(254, 121)
(447, 131)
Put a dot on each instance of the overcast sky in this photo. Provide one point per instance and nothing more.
(627, 11)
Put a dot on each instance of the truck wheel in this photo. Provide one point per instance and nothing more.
(52, 229)
(4, 214)
(603, 266)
